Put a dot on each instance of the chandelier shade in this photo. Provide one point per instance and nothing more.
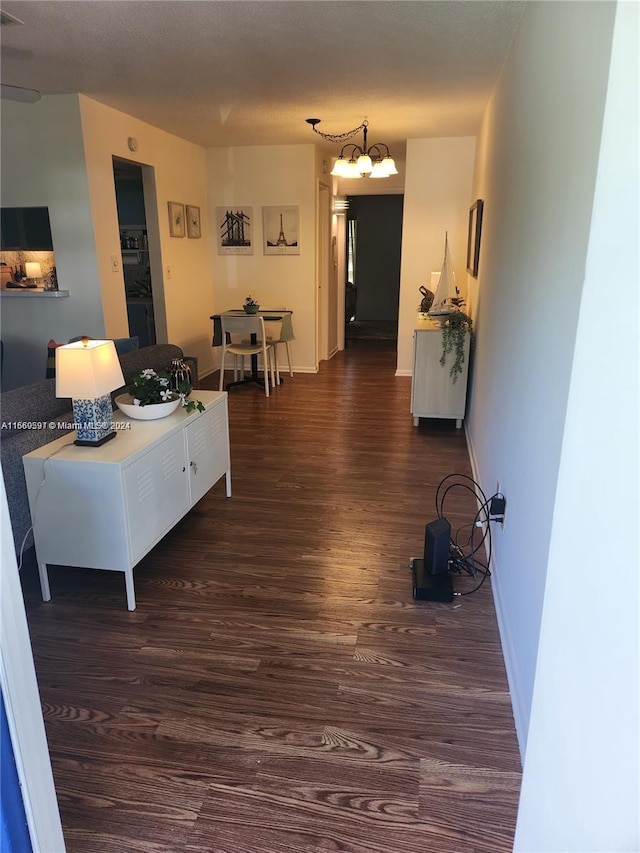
(359, 161)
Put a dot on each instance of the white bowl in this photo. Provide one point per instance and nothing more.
(145, 413)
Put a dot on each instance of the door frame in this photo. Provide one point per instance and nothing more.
(325, 276)
(22, 703)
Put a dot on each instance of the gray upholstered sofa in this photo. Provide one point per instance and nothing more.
(37, 404)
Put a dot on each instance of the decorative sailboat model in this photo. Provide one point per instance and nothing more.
(447, 298)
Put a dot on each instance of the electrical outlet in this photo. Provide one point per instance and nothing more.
(115, 263)
(504, 514)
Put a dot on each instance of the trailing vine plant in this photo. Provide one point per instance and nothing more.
(455, 328)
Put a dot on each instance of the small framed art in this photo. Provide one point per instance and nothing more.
(235, 229)
(176, 219)
(473, 237)
(281, 227)
(193, 221)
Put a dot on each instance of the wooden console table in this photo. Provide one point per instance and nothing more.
(106, 507)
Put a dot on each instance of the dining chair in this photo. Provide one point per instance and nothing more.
(280, 339)
(252, 341)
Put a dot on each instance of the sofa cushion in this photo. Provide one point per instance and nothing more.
(31, 404)
(12, 449)
(158, 357)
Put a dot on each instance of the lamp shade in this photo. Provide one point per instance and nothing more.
(378, 170)
(87, 369)
(352, 170)
(364, 164)
(33, 269)
(339, 167)
(390, 165)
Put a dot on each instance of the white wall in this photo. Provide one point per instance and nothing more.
(264, 176)
(43, 164)
(539, 142)
(580, 788)
(437, 198)
(179, 169)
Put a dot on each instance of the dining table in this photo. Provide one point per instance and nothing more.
(272, 316)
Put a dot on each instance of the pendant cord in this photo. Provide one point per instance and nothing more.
(337, 137)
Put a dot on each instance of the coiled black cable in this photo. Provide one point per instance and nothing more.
(462, 556)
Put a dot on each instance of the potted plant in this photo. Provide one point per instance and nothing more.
(151, 396)
(454, 331)
(251, 306)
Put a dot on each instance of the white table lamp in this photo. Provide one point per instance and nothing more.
(33, 270)
(87, 371)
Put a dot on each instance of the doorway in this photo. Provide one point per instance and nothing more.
(372, 289)
(134, 247)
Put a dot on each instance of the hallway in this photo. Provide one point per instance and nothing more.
(277, 689)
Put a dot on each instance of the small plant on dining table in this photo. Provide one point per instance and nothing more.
(150, 387)
(251, 305)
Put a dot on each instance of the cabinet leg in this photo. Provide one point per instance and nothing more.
(131, 596)
(416, 421)
(44, 581)
(228, 482)
(459, 423)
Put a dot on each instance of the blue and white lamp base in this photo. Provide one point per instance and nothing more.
(93, 421)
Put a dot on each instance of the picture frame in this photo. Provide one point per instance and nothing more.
(235, 229)
(176, 219)
(473, 237)
(281, 230)
(193, 221)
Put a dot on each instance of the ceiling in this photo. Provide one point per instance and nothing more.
(230, 72)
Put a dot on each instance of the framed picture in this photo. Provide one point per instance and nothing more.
(193, 221)
(176, 219)
(473, 237)
(235, 229)
(281, 230)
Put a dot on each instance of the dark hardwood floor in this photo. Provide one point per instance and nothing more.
(277, 689)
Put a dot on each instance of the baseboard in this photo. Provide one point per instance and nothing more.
(403, 372)
(517, 703)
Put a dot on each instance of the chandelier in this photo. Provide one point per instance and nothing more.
(358, 161)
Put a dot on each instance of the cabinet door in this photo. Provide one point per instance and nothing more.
(434, 394)
(37, 229)
(77, 512)
(9, 228)
(207, 449)
(26, 228)
(157, 493)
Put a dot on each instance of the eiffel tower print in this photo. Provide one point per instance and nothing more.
(281, 228)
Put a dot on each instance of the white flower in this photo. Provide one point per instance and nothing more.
(148, 373)
(163, 381)
(166, 395)
(136, 402)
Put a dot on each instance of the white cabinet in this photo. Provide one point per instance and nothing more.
(433, 392)
(106, 507)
